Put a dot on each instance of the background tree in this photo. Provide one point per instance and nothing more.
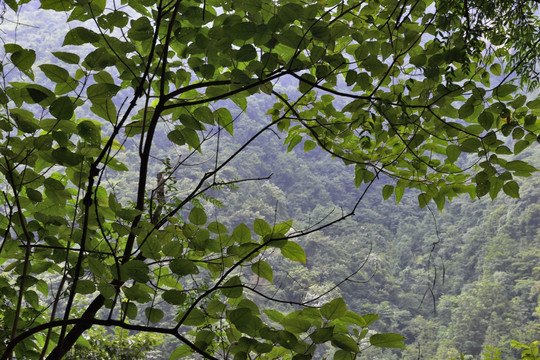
(396, 89)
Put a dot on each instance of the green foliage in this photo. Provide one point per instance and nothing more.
(419, 106)
(528, 351)
(96, 343)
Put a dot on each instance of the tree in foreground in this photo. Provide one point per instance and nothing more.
(423, 92)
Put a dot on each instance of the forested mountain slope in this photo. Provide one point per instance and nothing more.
(206, 176)
(452, 282)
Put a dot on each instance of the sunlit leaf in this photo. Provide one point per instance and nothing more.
(293, 251)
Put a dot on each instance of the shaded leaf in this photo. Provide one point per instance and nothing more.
(137, 270)
(387, 340)
(154, 315)
(174, 297)
(23, 59)
(183, 267)
(197, 216)
(334, 309)
(62, 108)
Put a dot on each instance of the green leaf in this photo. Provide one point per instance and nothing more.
(154, 315)
(287, 339)
(520, 146)
(103, 77)
(141, 29)
(65, 157)
(295, 140)
(217, 228)
(37, 94)
(151, 248)
(197, 216)
(309, 145)
(387, 191)
(99, 59)
(101, 92)
(361, 320)
(42, 287)
(452, 153)
(107, 290)
(387, 340)
(89, 131)
(471, 145)
(224, 119)
(23, 59)
(130, 309)
(57, 5)
(240, 317)
(466, 110)
(344, 355)
(25, 120)
(496, 69)
(519, 165)
(32, 297)
(174, 297)
(232, 288)
(3, 98)
(34, 195)
(511, 188)
(423, 200)
(246, 53)
(322, 335)
(105, 109)
(534, 104)
(398, 192)
(191, 137)
(183, 267)
(418, 60)
(293, 251)
(66, 57)
(485, 119)
(261, 227)
(504, 90)
(334, 309)
(345, 342)
(176, 137)
(116, 165)
(215, 307)
(204, 339)
(296, 324)
(241, 234)
(13, 5)
(263, 270)
(54, 72)
(274, 315)
(53, 184)
(85, 287)
(97, 267)
(283, 228)
(195, 318)
(79, 36)
(181, 352)
(138, 293)
(137, 270)
(62, 108)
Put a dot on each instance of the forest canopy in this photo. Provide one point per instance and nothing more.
(430, 96)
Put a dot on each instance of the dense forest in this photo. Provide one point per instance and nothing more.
(269, 179)
(452, 282)
(455, 282)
